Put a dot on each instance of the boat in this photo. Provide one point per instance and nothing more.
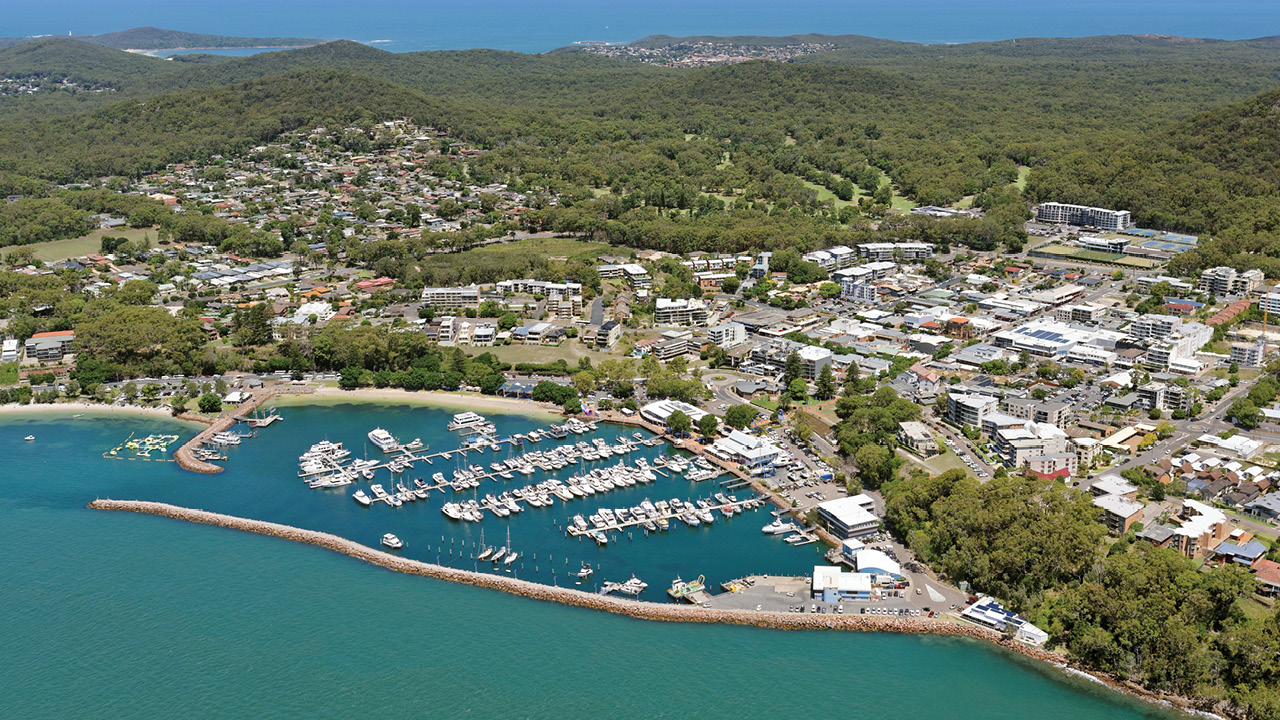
(633, 587)
(585, 572)
(777, 527)
(383, 439)
(362, 498)
(465, 420)
(392, 541)
(29, 438)
(681, 589)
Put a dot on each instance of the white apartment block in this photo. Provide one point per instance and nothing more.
(728, 334)
(1227, 281)
(1102, 218)
(1155, 327)
(1249, 354)
(970, 409)
(831, 259)
(9, 351)
(455, 297)
(538, 287)
(1269, 303)
(890, 251)
(680, 312)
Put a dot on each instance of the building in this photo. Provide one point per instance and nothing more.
(727, 335)
(987, 611)
(455, 297)
(1119, 512)
(1249, 354)
(1016, 445)
(847, 518)
(1056, 465)
(637, 277)
(915, 436)
(49, 346)
(890, 251)
(659, 412)
(754, 453)
(833, 585)
(1227, 281)
(680, 312)
(1155, 327)
(812, 360)
(1203, 528)
(608, 334)
(969, 408)
(1114, 246)
(1101, 218)
(9, 351)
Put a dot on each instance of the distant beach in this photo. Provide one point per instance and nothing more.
(388, 396)
(86, 408)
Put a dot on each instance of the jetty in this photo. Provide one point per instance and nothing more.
(669, 514)
(188, 456)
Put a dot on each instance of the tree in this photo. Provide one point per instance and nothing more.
(829, 290)
(793, 369)
(875, 465)
(707, 425)
(1245, 413)
(1164, 430)
(740, 416)
(798, 390)
(680, 423)
(349, 377)
(825, 386)
(730, 285)
(209, 403)
(572, 406)
(491, 384)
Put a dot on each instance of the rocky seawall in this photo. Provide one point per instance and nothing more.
(661, 612)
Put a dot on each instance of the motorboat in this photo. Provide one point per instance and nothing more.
(362, 498)
(585, 572)
(383, 439)
(465, 420)
(777, 527)
(29, 438)
(392, 541)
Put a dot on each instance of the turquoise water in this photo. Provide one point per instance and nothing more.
(409, 25)
(127, 616)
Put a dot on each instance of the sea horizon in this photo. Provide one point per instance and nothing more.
(400, 26)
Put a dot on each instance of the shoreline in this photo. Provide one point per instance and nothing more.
(641, 610)
(425, 398)
(87, 408)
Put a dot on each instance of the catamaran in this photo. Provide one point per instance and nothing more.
(465, 420)
(392, 541)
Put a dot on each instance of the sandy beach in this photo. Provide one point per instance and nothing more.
(72, 408)
(449, 401)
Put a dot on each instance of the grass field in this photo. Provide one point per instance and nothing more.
(1140, 262)
(937, 464)
(1055, 249)
(569, 351)
(1097, 256)
(9, 373)
(1023, 174)
(55, 250)
(551, 247)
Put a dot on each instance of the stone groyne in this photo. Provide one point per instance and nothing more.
(660, 612)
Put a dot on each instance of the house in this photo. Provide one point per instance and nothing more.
(1246, 554)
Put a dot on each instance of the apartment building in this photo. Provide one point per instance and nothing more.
(680, 312)
(451, 297)
(727, 335)
(1249, 354)
(1083, 215)
(1154, 327)
(1228, 281)
(969, 408)
(890, 251)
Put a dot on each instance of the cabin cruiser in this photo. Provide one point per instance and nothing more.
(383, 439)
(585, 572)
(362, 498)
(392, 541)
(777, 527)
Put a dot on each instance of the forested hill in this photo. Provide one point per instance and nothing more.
(151, 38)
(137, 136)
(59, 58)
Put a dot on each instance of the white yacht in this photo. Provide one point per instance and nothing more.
(585, 572)
(392, 541)
(383, 439)
(362, 498)
(777, 527)
(465, 420)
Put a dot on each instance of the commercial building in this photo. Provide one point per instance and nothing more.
(916, 437)
(831, 585)
(48, 346)
(451, 297)
(1115, 246)
(659, 412)
(727, 335)
(756, 454)
(847, 518)
(1228, 281)
(680, 312)
(1101, 218)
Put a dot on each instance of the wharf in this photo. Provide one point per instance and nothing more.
(668, 515)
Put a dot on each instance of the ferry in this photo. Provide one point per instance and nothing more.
(465, 420)
(383, 439)
(392, 541)
(679, 588)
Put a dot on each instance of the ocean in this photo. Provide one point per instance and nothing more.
(412, 25)
(130, 616)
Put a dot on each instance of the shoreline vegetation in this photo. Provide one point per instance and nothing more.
(434, 399)
(640, 610)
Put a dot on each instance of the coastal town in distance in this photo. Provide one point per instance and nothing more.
(993, 417)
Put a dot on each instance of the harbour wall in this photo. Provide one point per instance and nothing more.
(660, 612)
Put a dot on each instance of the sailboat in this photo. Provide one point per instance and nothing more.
(485, 550)
(511, 554)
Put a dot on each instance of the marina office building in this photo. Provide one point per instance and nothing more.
(847, 518)
(756, 454)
